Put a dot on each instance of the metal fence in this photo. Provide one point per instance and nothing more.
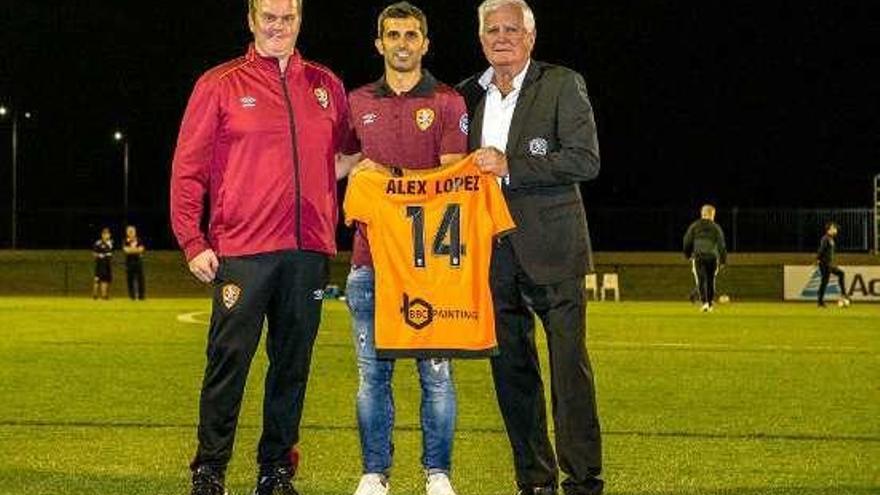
(751, 229)
(612, 229)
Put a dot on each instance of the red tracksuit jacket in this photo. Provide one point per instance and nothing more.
(261, 145)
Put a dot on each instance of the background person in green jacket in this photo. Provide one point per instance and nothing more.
(704, 246)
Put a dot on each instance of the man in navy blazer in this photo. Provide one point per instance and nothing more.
(532, 126)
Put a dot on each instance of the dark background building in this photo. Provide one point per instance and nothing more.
(746, 104)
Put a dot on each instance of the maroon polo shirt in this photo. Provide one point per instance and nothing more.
(411, 130)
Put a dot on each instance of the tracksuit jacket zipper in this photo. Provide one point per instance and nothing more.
(296, 178)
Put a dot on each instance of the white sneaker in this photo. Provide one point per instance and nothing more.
(372, 484)
(438, 484)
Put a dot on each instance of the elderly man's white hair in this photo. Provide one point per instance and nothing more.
(490, 6)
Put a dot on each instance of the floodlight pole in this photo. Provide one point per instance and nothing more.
(14, 222)
(125, 180)
(119, 136)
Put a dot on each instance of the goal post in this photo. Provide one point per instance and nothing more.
(877, 214)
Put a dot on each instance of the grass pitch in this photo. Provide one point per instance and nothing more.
(754, 399)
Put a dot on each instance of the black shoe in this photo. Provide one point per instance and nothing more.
(275, 481)
(207, 481)
(537, 490)
(821, 305)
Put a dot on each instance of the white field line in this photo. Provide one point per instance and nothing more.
(195, 319)
(717, 347)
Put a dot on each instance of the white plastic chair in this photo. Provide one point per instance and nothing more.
(592, 284)
(610, 281)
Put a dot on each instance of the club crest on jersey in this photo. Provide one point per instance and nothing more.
(231, 294)
(464, 123)
(424, 118)
(323, 97)
(538, 147)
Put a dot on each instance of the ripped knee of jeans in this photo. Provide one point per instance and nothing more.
(373, 375)
(436, 373)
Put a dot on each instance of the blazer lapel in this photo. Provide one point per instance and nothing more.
(475, 136)
(523, 105)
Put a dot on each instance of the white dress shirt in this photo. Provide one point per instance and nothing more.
(498, 111)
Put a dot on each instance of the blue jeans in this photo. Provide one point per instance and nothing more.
(375, 402)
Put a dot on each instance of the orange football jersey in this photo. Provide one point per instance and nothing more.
(431, 236)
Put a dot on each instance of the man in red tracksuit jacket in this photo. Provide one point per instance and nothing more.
(258, 140)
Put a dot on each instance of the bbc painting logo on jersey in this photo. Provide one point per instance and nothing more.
(802, 283)
(418, 313)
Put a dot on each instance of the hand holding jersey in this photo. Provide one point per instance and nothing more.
(491, 160)
(367, 164)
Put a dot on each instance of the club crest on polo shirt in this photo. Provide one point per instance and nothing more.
(538, 146)
(464, 123)
(369, 118)
(323, 97)
(424, 118)
(230, 293)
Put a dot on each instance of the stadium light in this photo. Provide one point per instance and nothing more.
(119, 136)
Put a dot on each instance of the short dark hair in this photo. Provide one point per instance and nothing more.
(402, 10)
(253, 5)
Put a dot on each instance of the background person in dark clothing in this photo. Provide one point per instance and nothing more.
(134, 264)
(704, 246)
(102, 250)
(825, 259)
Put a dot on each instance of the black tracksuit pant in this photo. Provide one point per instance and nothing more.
(285, 288)
(517, 375)
(134, 273)
(705, 269)
(826, 270)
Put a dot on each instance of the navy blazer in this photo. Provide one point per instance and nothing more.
(551, 148)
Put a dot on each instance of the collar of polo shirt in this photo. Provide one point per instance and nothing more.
(425, 87)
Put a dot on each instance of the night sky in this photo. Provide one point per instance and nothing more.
(745, 103)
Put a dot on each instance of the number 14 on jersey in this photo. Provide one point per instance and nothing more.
(447, 240)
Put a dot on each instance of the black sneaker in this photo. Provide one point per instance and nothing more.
(537, 490)
(207, 481)
(275, 481)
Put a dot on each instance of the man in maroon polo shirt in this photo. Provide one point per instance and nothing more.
(407, 119)
(258, 141)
